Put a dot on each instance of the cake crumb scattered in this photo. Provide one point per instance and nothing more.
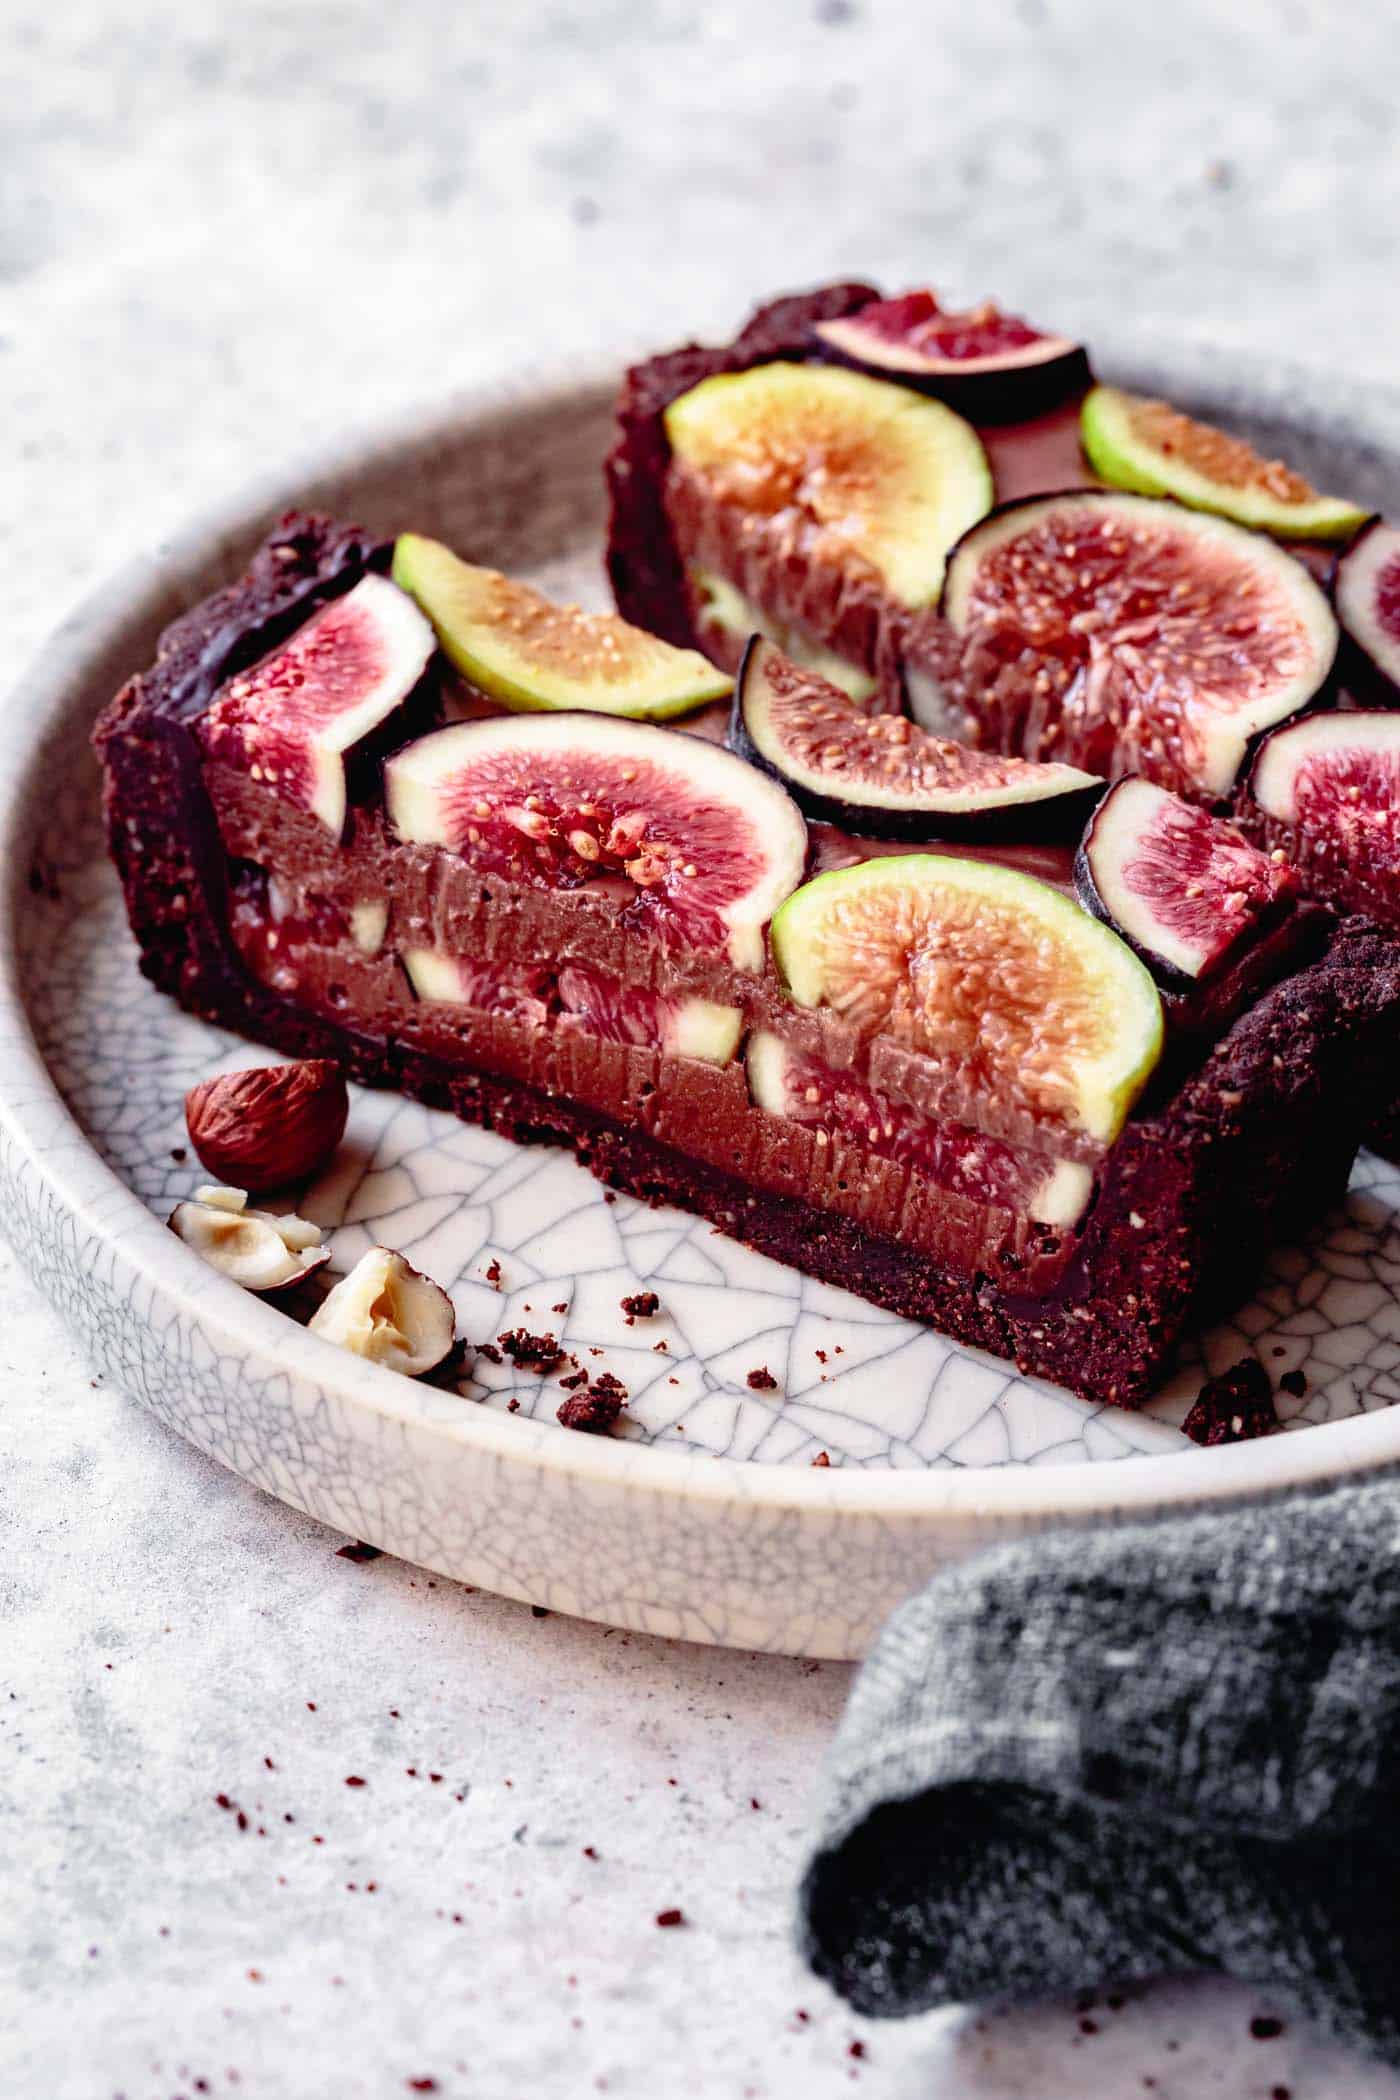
(762, 1380)
(642, 1305)
(823, 1458)
(670, 1917)
(493, 1274)
(530, 1352)
(1234, 1407)
(1293, 1382)
(595, 1411)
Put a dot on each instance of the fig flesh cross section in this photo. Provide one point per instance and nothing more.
(1128, 635)
(1018, 997)
(527, 652)
(706, 846)
(841, 467)
(290, 718)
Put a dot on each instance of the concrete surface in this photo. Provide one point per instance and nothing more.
(224, 235)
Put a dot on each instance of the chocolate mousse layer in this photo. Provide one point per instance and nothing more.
(556, 1017)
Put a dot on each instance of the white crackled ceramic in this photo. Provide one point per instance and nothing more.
(706, 1518)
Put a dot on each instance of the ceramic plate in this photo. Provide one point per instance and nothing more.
(706, 1517)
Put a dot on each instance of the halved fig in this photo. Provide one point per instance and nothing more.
(529, 653)
(1335, 780)
(991, 366)
(790, 1082)
(291, 718)
(1367, 597)
(1184, 889)
(1127, 635)
(849, 469)
(882, 773)
(708, 845)
(1136, 443)
(726, 621)
(1020, 997)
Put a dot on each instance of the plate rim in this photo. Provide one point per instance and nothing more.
(38, 1125)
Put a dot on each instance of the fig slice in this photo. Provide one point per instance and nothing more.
(706, 845)
(1132, 442)
(789, 1082)
(1367, 597)
(882, 773)
(1125, 634)
(1184, 889)
(1019, 999)
(991, 366)
(291, 718)
(1334, 780)
(531, 654)
(844, 469)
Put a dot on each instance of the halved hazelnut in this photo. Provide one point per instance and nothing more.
(270, 1126)
(387, 1311)
(251, 1247)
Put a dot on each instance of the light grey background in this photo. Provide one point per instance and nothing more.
(225, 234)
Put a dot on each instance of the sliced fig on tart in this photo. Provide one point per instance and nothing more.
(1333, 781)
(989, 365)
(842, 469)
(515, 644)
(1366, 593)
(883, 774)
(291, 718)
(788, 1081)
(1021, 1000)
(706, 845)
(1186, 890)
(1133, 442)
(1125, 634)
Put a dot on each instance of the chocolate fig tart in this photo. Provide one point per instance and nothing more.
(804, 966)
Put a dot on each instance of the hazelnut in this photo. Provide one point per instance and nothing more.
(254, 1248)
(275, 1124)
(386, 1311)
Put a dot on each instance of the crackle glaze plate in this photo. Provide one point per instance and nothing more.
(706, 1517)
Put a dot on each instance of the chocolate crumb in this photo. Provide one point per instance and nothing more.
(823, 1458)
(1293, 1382)
(530, 1352)
(493, 1274)
(358, 1551)
(490, 1352)
(572, 1380)
(355, 1780)
(609, 1195)
(857, 2050)
(642, 1305)
(179, 1155)
(762, 1380)
(512, 1407)
(1265, 2027)
(1234, 1407)
(421, 2085)
(670, 1917)
(594, 1412)
(590, 1852)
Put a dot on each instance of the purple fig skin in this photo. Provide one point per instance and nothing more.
(1172, 980)
(1011, 391)
(1357, 669)
(1044, 820)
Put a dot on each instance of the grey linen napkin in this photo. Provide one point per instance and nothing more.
(1160, 1748)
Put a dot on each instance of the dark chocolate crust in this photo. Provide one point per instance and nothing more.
(1248, 1149)
(643, 562)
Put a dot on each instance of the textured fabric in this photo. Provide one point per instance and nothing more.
(1160, 1748)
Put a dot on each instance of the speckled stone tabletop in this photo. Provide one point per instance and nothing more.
(275, 1821)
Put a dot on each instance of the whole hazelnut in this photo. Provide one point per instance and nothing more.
(270, 1126)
